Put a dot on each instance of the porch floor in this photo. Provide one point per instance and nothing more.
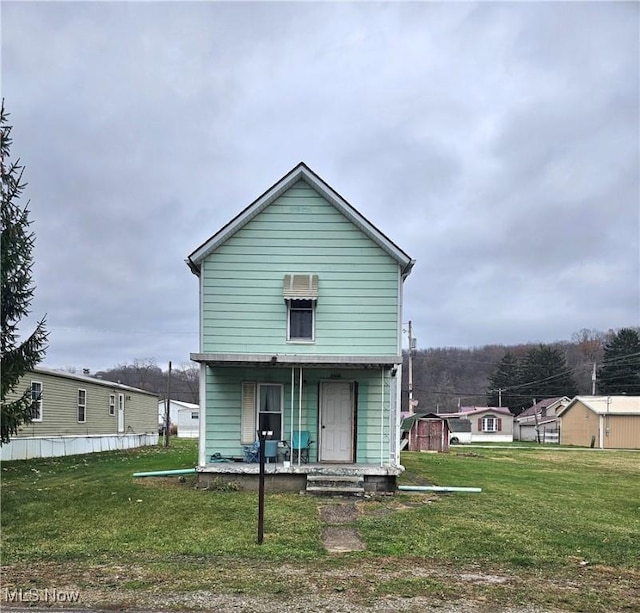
(278, 468)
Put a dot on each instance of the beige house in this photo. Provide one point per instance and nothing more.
(605, 422)
(488, 424)
(80, 414)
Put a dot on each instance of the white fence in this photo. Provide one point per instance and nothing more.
(54, 446)
(550, 436)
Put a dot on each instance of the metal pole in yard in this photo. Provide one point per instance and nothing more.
(167, 413)
(262, 437)
(410, 369)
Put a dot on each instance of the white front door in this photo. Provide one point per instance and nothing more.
(120, 412)
(336, 422)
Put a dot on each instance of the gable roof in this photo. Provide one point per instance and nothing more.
(301, 172)
(407, 422)
(538, 406)
(181, 403)
(601, 405)
(529, 414)
(476, 410)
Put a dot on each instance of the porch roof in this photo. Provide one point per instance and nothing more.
(297, 360)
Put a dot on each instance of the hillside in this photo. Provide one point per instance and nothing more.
(444, 378)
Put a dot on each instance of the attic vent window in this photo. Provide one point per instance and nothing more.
(300, 287)
(301, 295)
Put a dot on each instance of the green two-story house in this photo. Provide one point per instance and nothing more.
(301, 331)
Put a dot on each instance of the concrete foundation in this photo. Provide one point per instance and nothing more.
(278, 478)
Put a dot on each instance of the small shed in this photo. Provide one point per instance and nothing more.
(427, 432)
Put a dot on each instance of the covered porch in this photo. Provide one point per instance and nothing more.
(347, 405)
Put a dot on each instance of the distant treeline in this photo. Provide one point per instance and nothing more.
(446, 378)
(147, 375)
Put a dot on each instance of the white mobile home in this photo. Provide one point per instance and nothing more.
(189, 422)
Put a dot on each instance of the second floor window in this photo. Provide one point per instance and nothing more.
(300, 293)
(301, 316)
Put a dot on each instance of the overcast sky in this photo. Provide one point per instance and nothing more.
(497, 144)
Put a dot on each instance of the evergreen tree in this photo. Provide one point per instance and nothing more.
(16, 293)
(545, 374)
(505, 376)
(620, 372)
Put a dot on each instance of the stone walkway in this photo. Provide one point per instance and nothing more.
(340, 535)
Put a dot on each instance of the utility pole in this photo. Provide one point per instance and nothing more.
(167, 413)
(499, 396)
(411, 345)
(593, 380)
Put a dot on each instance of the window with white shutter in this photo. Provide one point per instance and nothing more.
(248, 425)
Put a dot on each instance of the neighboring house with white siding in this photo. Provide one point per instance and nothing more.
(488, 424)
(540, 422)
(80, 414)
(175, 406)
(189, 422)
(301, 329)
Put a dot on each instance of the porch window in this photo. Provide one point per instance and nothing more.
(270, 409)
(490, 424)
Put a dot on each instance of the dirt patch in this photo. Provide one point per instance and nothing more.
(341, 539)
(336, 584)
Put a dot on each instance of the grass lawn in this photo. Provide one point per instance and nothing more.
(557, 529)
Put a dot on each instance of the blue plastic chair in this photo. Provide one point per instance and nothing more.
(251, 452)
(300, 445)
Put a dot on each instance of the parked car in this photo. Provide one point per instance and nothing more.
(459, 431)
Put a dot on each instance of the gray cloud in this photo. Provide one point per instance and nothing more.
(496, 143)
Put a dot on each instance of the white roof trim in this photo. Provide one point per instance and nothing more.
(181, 403)
(300, 172)
(603, 405)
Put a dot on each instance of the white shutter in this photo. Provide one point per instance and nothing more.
(248, 425)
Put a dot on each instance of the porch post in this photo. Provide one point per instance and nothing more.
(382, 416)
(202, 442)
(299, 413)
(293, 387)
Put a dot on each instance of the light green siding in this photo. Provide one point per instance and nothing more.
(60, 408)
(243, 307)
(372, 410)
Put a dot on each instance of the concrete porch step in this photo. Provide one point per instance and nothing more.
(335, 485)
(334, 491)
